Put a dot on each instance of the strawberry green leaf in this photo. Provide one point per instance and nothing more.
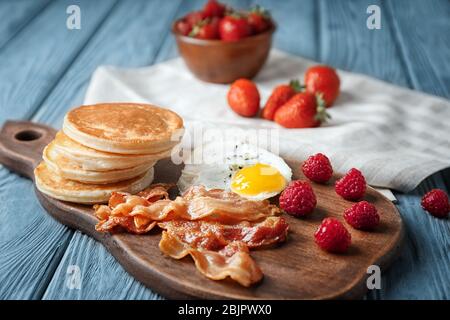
(321, 115)
(296, 85)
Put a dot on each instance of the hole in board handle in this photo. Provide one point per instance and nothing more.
(27, 135)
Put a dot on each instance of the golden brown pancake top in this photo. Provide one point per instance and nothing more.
(125, 122)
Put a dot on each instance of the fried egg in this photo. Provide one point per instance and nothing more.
(245, 169)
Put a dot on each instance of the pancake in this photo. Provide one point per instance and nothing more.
(91, 159)
(126, 128)
(55, 186)
(71, 170)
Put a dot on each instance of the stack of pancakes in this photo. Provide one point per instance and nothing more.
(107, 147)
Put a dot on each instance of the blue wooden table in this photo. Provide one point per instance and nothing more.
(45, 69)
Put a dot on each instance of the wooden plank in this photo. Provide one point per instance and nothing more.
(446, 178)
(31, 243)
(425, 59)
(347, 43)
(128, 38)
(424, 42)
(30, 69)
(422, 270)
(125, 40)
(15, 15)
(297, 26)
(27, 253)
(168, 47)
(101, 276)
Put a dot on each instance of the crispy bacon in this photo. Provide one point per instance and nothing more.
(135, 213)
(232, 261)
(221, 251)
(226, 207)
(216, 228)
(215, 236)
(197, 203)
(156, 192)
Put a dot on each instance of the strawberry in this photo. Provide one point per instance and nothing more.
(183, 27)
(214, 8)
(234, 27)
(194, 18)
(206, 29)
(280, 95)
(259, 19)
(323, 79)
(303, 110)
(243, 98)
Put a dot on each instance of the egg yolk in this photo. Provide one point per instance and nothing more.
(256, 179)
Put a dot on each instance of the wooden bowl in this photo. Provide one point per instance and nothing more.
(220, 61)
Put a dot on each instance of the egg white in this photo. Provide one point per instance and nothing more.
(221, 161)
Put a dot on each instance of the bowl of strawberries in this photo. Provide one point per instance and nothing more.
(220, 44)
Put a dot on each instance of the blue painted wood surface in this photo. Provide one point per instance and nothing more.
(45, 70)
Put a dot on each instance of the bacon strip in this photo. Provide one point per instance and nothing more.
(226, 207)
(215, 236)
(156, 191)
(135, 213)
(216, 228)
(197, 203)
(232, 261)
(221, 251)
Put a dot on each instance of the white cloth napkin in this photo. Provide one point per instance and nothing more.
(395, 136)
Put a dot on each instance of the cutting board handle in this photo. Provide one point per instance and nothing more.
(21, 145)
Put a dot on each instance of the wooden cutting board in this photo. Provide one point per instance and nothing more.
(297, 269)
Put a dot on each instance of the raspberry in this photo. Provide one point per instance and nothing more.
(352, 186)
(298, 199)
(318, 168)
(332, 236)
(362, 215)
(436, 203)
